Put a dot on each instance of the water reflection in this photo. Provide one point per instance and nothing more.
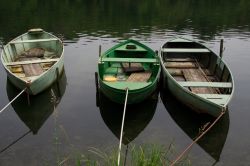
(41, 106)
(137, 116)
(125, 19)
(191, 122)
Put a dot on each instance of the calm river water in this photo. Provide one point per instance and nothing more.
(42, 135)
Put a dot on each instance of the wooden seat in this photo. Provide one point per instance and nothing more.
(206, 84)
(186, 50)
(31, 62)
(220, 99)
(131, 60)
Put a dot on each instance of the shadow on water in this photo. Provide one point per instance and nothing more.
(137, 116)
(191, 123)
(40, 108)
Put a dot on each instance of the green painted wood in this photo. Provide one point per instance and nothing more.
(137, 48)
(129, 85)
(220, 99)
(33, 41)
(30, 62)
(206, 84)
(138, 91)
(131, 60)
(185, 50)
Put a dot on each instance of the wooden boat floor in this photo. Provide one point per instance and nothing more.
(139, 77)
(132, 67)
(197, 75)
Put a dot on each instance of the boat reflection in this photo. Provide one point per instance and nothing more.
(137, 116)
(191, 123)
(41, 106)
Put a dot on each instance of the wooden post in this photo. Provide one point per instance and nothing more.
(221, 48)
(57, 81)
(100, 50)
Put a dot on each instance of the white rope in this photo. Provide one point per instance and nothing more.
(12, 100)
(121, 134)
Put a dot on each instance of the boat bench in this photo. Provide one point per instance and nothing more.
(31, 62)
(206, 84)
(33, 41)
(130, 85)
(130, 60)
(185, 50)
(220, 99)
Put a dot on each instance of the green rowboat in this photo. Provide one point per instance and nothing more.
(33, 60)
(196, 76)
(129, 65)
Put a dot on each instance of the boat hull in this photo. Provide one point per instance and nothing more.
(134, 96)
(189, 99)
(41, 83)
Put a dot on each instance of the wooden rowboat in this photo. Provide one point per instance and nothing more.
(33, 60)
(129, 65)
(196, 76)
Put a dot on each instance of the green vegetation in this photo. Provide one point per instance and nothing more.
(145, 155)
(120, 18)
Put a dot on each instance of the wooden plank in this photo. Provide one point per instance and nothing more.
(186, 50)
(31, 62)
(180, 65)
(197, 75)
(32, 70)
(175, 72)
(180, 60)
(131, 60)
(33, 41)
(139, 77)
(132, 67)
(206, 84)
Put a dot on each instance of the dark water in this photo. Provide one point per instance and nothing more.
(42, 135)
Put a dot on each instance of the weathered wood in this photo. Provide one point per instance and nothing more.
(34, 52)
(132, 67)
(180, 65)
(180, 60)
(131, 60)
(196, 75)
(186, 50)
(31, 62)
(206, 84)
(32, 70)
(175, 72)
(139, 77)
(33, 41)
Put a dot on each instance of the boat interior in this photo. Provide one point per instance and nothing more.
(199, 70)
(31, 54)
(130, 63)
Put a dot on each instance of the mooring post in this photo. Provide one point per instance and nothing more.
(221, 48)
(57, 81)
(27, 93)
(100, 50)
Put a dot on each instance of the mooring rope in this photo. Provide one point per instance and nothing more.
(12, 100)
(121, 134)
(199, 137)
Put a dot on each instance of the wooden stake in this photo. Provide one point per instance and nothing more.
(57, 81)
(100, 50)
(221, 48)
